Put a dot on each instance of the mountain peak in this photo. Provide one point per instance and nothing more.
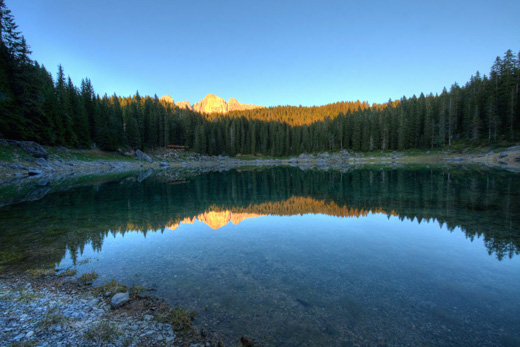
(212, 104)
(167, 98)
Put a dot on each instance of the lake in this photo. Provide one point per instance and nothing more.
(368, 256)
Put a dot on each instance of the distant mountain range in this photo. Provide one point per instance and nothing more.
(212, 104)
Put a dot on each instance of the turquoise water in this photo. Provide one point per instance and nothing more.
(300, 258)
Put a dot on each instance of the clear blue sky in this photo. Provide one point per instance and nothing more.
(270, 52)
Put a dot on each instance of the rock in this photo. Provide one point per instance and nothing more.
(324, 155)
(247, 341)
(234, 105)
(43, 163)
(211, 104)
(19, 337)
(35, 172)
(167, 98)
(502, 155)
(164, 164)
(143, 156)
(119, 300)
(214, 104)
(184, 104)
(16, 167)
(148, 317)
(34, 149)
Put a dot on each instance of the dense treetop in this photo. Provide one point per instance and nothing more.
(34, 105)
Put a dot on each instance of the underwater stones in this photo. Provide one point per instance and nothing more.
(119, 300)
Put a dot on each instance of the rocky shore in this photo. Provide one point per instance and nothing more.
(23, 159)
(50, 310)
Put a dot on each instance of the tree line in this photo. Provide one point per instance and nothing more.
(35, 105)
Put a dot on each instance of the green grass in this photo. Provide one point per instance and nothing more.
(69, 273)
(103, 332)
(112, 287)
(88, 277)
(52, 317)
(180, 319)
(10, 153)
(40, 272)
(23, 295)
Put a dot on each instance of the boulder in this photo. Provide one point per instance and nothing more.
(164, 164)
(143, 156)
(43, 163)
(35, 172)
(34, 149)
(119, 300)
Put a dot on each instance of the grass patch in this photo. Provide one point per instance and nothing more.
(102, 332)
(112, 287)
(24, 295)
(137, 289)
(88, 278)
(179, 318)
(68, 273)
(52, 317)
(35, 273)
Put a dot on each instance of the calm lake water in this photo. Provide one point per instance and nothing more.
(299, 258)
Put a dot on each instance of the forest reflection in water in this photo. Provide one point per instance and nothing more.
(289, 261)
(482, 203)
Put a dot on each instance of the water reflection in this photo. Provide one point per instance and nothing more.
(483, 204)
(396, 257)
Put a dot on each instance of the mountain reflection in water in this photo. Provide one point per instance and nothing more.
(482, 203)
(299, 257)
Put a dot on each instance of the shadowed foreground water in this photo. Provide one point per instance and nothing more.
(299, 258)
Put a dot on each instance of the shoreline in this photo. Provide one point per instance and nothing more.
(56, 310)
(16, 164)
(59, 318)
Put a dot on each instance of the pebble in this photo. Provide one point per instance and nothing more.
(20, 320)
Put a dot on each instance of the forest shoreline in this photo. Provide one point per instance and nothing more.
(16, 164)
